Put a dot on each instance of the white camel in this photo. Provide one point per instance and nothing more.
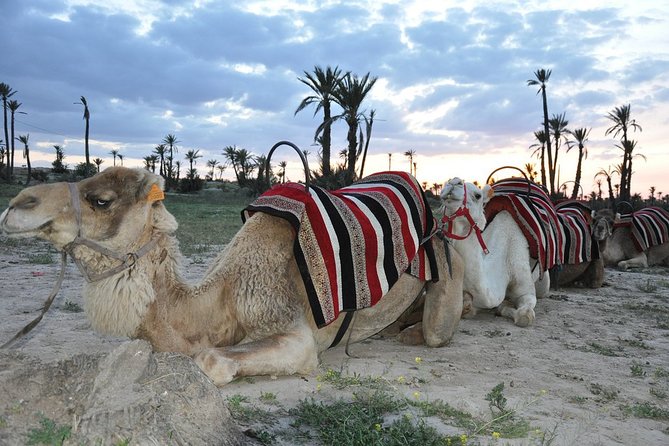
(507, 271)
(250, 314)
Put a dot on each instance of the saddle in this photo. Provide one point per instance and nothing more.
(353, 244)
(529, 205)
(575, 220)
(649, 227)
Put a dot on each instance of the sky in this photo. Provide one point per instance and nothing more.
(452, 79)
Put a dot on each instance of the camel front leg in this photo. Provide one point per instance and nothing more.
(280, 354)
(640, 261)
(520, 307)
(443, 305)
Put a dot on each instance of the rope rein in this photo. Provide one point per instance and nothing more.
(47, 304)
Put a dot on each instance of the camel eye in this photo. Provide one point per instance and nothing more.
(477, 195)
(100, 203)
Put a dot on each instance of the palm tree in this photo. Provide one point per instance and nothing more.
(230, 154)
(540, 152)
(221, 169)
(147, 162)
(542, 76)
(114, 153)
(628, 147)
(608, 174)
(58, 166)
(324, 84)
(651, 195)
(6, 92)
(192, 156)
(97, 162)
(87, 117)
(171, 141)
(349, 94)
(622, 123)
(177, 164)
(410, 154)
(580, 138)
(13, 107)
(212, 165)
(282, 174)
(369, 123)
(160, 150)
(245, 164)
(26, 154)
(558, 125)
(531, 173)
(120, 158)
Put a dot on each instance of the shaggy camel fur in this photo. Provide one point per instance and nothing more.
(249, 315)
(507, 271)
(619, 249)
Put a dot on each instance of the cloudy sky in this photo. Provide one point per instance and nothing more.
(451, 78)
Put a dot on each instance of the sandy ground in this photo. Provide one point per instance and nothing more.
(571, 373)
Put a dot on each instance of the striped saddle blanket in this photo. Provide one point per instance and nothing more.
(575, 219)
(354, 243)
(649, 226)
(535, 214)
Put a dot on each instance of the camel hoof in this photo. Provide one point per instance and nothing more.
(524, 318)
(218, 368)
(412, 335)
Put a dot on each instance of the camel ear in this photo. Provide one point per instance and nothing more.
(593, 213)
(617, 217)
(151, 186)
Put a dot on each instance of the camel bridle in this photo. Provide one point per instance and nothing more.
(127, 259)
(463, 211)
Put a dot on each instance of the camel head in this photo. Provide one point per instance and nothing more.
(454, 201)
(602, 224)
(115, 208)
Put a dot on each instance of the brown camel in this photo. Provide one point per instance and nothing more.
(249, 315)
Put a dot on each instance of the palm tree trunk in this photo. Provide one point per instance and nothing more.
(577, 179)
(543, 165)
(612, 199)
(551, 170)
(27, 153)
(9, 165)
(326, 140)
(11, 169)
(352, 150)
(88, 161)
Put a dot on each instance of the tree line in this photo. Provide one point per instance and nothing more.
(339, 97)
(555, 134)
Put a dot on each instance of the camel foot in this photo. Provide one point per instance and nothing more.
(524, 318)
(412, 335)
(468, 309)
(218, 368)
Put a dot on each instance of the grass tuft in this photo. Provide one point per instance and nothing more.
(49, 433)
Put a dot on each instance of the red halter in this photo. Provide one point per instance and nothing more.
(463, 211)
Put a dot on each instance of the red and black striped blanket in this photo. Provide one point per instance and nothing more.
(649, 227)
(353, 244)
(533, 210)
(575, 220)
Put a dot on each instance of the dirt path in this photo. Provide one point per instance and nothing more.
(594, 369)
